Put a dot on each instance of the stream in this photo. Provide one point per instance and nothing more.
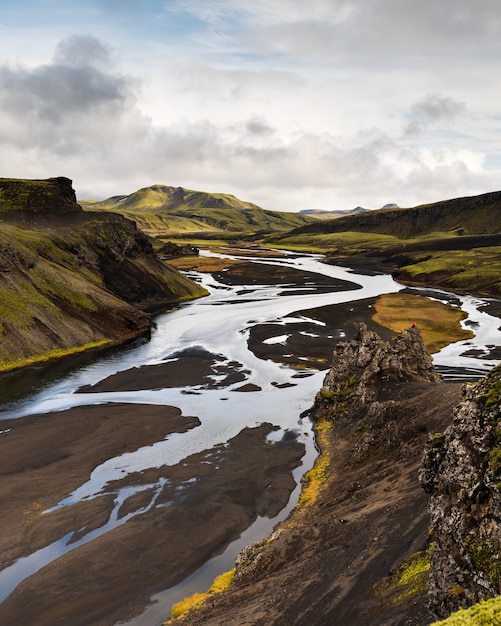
(221, 324)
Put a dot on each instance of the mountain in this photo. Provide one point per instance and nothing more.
(453, 244)
(329, 215)
(71, 280)
(476, 215)
(161, 209)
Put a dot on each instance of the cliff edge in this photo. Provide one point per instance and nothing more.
(341, 558)
(71, 280)
(462, 474)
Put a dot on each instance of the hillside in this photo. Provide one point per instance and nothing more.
(476, 215)
(71, 280)
(453, 244)
(163, 210)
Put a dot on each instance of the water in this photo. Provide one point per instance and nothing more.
(220, 323)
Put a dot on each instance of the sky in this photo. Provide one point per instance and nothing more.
(292, 105)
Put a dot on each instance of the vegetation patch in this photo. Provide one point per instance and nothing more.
(410, 579)
(313, 482)
(477, 269)
(202, 264)
(196, 601)
(486, 613)
(7, 365)
(439, 323)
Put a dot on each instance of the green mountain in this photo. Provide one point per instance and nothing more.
(164, 210)
(71, 280)
(454, 243)
(476, 215)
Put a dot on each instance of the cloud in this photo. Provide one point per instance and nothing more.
(434, 108)
(78, 84)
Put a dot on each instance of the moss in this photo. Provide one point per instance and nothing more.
(196, 601)
(410, 579)
(492, 397)
(8, 365)
(437, 440)
(485, 613)
(495, 461)
(314, 480)
(486, 559)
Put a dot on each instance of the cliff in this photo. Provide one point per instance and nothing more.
(71, 280)
(461, 473)
(353, 552)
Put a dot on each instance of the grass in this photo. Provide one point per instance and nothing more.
(486, 613)
(196, 601)
(313, 482)
(6, 366)
(476, 270)
(439, 323)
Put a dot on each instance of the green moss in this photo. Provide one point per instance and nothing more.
(495, 461)
(485, 558)
(7, 365)
(487, 613)
(410, 579)
(493, 396)
(437, 440)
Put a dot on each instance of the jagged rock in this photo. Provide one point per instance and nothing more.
(171, 249)
(461, 471)
(358, 364)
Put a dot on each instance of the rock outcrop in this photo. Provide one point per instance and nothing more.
(70, 278)
(461, 472)
(362, 512)
(51, 196)
(358, 365)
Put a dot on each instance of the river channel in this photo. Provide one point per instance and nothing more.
(265, 391)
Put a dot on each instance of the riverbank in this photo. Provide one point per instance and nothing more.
(338, 559)
(144, 532)
(149, 529)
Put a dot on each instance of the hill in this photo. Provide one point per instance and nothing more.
(453, 243)
(72, 280)
(320, 214)
(176, 211)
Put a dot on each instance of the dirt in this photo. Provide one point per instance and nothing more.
(326, 564)
(370, 515)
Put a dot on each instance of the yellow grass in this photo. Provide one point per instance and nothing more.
(201, 264)
(194, 602)
(439, 323)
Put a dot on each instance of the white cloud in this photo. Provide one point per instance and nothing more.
(325, 104)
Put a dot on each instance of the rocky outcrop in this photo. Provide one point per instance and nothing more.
(51, 196)
(359, 364)
(362, 512)
(461, 472)
(71, 278)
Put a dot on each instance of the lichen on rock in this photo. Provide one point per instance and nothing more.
(358, 364)
(461, 472)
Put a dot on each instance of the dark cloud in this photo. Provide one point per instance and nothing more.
(258, 126)
(78, 81)
(433, 109)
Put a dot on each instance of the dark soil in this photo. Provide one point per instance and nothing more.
(325, 565)
(371, 514)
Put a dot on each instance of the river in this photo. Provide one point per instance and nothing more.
(221, 324)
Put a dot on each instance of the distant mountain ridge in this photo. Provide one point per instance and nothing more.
(473, 215)
(176, 209)
(328, 215)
